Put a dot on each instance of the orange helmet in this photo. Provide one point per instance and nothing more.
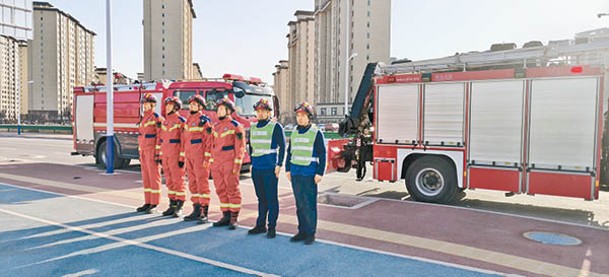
(177, 103)
(149, 98)
(197, 98)
(227, 103)
(263, 104)
(305, 107)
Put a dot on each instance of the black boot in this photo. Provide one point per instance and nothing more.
(259, 229)
(309, 239)
(233, 220)
(196, 212)
(271, 233)
(298, 237)
(170, 209)
(203, 219)
(178, 208)
(224, 221)
(151, 209)
(143, 208)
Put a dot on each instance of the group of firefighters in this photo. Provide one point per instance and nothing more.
(196, 146)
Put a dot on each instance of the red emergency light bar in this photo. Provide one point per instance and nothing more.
(577, 69)
(255, 80)
(233, 77)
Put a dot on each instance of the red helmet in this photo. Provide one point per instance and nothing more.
(197, 98)
(177, 103)
(227, 103)
(305, 107)
(263, 104)
(149, 98)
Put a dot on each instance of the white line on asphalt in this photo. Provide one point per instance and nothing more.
(285, 234)
(141, 244)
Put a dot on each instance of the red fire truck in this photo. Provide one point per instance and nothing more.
(524, 121)
(89, 111)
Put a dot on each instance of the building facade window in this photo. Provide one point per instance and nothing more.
(334, 111)
(322, 111)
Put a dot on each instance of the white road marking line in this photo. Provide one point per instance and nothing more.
(120, 242)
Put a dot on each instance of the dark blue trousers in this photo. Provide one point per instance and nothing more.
(265, 182)
(305, 193)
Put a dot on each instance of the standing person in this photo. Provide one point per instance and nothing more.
(305, 167)
(197, 147)
(227, 152)
(267, 149)
(172, 155)
(149, 145)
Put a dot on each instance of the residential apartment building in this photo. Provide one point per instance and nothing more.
(301, 59)
(15, 30)
(281, 87)
(368, 23)
(61, 57)
(168, 39)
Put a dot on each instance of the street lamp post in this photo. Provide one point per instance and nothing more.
(109, 93)
(347, 83)
(348, 56)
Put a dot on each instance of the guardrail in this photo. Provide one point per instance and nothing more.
(55, 129)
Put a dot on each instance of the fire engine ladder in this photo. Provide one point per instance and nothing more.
(595, 52)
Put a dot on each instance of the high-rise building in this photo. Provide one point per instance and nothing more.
(61, 56)
(369, 23)
(301, 58)
(168, 39)
(15, 29)
(25, 82)
(281, 83)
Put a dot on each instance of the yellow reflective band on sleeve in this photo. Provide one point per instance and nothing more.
(205, 196)
(196, 129)
(207, 154)
(180, 193)
(238, 161)
(182, 154)
(234, 206)
(229, 132)
(164, 128)
(224, 205)
(195, 195)
(171, 192)
(175, 126)
(149, 123)
(155, 191)
(158, 147)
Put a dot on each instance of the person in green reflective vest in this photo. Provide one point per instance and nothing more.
(267, 149)
(306, 162)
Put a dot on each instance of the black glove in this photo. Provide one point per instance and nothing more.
(181, 164)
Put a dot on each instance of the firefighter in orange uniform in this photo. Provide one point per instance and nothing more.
(227, 152)
(197, 147)
(172, 155)
(149, 148)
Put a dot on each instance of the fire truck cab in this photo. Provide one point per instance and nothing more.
(89, 111)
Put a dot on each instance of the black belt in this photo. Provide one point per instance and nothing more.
(196, 141)
(228, 148)
(150, 136)
(174, 141)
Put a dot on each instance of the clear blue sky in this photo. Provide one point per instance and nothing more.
(248, 37)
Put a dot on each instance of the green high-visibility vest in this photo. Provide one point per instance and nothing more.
(261, 139)
(302, 147)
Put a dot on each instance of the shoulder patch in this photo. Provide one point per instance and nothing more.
(234, 122)
(156, 115)
(182, 119)
(205, 118)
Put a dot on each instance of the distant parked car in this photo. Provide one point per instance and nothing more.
(289, 127)
(321, 127)
(332, 127)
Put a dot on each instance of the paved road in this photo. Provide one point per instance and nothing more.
(53, 202)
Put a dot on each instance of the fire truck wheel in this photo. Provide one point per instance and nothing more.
(100, 158)
(431, 179)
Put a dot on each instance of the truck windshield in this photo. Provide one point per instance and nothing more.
(212, 97)
(245, 104)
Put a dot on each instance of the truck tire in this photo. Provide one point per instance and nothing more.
(100, 158)
(431, 179)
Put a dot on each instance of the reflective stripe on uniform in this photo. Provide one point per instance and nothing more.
(148, 123)
(147, 190)
(182, 154)
(207, 154)
(264, 151)
(157, 147)
(196, 129)
(224, 205)
(234, 206)
(180, 193)
(205, 195)
(229, 132)
(302, 147)
(158, 191)
(261, 141)
(238, 161)
(171, 192)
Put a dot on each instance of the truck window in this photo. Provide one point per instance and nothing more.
(245, 105)
(184, 95)
(212, 97)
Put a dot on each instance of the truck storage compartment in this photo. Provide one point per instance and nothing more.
(398, 114)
